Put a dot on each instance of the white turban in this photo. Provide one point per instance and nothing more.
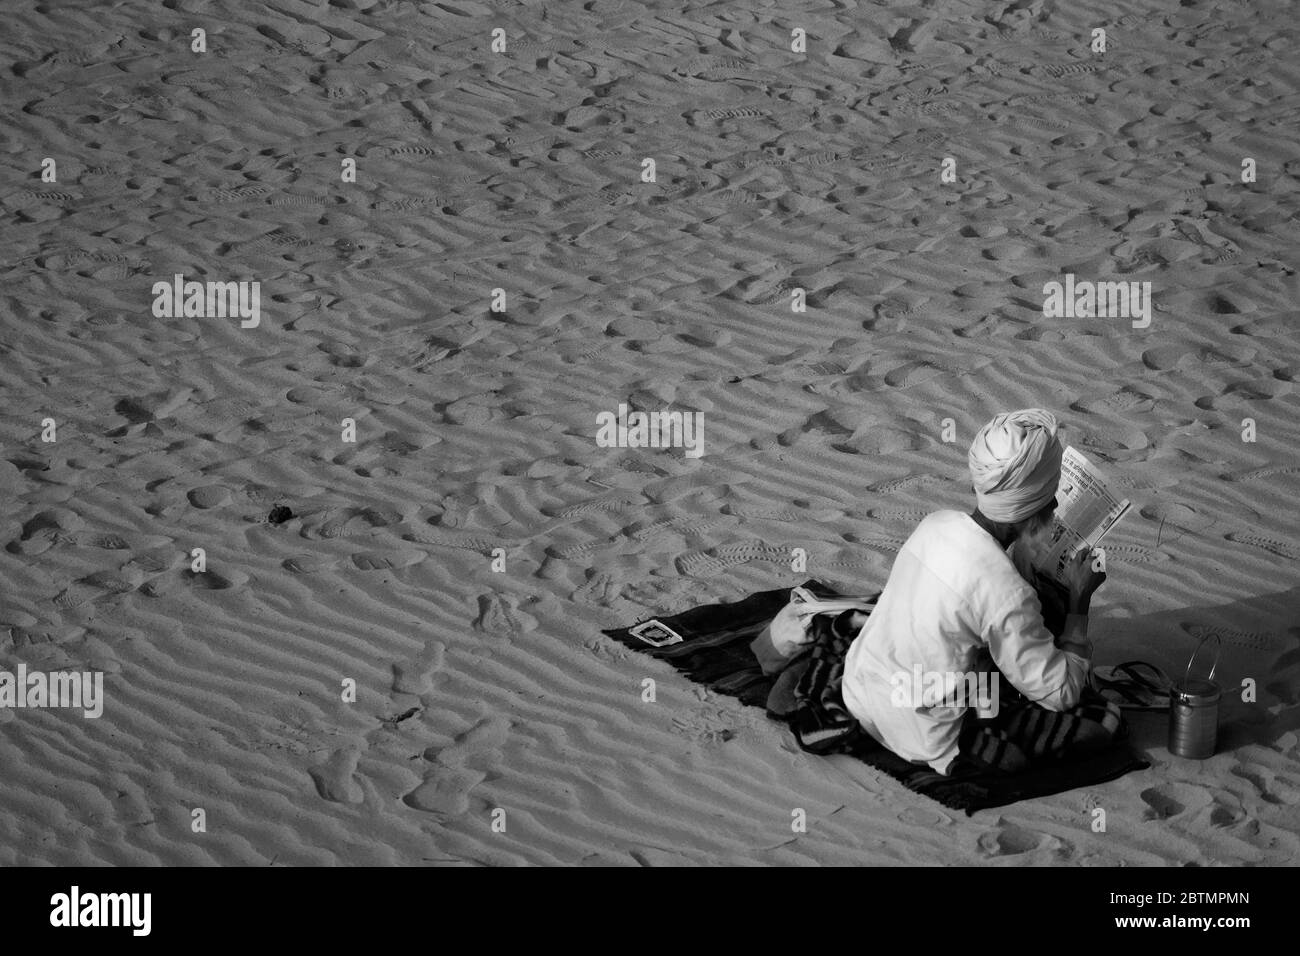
(1015, 464)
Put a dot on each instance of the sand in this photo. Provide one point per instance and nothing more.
(492, 722)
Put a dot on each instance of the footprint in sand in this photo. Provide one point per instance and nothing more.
(924, 817)
(755, 512)
(881, 440)
(600, 590)
(35, 195)
(1133, 554)
(161, 586)
(1176, 516)
(157, 560)
(108, 542)
(1282, 549)
(469, 513)
(411, 150)
(387, 561)
(38, 543)
(447, 785)
(153, 565)
(1012, 840)
(278, 240)
(99, 584)
(1227, 816)
(751, 551)
(43, 529)
(214, 580)
(209, 496)
(1166, 357)
(417, 677)
(666, 597)
(249, 192)
(327, 524)
(300, 201)
(910, 516)
(498, 615)
(912, 373)
(611, 504)
(734, 112)
(1059, 71)
(726, 65)
(533, 46)
(1264, 329)
(1041, 333)
(307, 563)
(426, 534)
(704, 563)
(1267, 471)
(728, 556)
(1251, 640)
(411, 204)
(1123, 400)
(1173, 799)
(1161, 804)
(1256, 390)
(647, 530)
(886, 543)
(1273, 787)
(335, 779)
(907, 481)
(579, 550)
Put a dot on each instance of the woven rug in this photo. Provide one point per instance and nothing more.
(715, 652)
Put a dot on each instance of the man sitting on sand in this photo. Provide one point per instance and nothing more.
(955, 603)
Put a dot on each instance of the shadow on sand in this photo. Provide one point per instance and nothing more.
(1260, 639)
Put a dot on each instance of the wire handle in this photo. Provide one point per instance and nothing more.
(1188, 673)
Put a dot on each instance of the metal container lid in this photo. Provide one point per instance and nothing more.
(1197, 691)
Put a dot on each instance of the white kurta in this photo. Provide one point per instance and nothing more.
(952, 592)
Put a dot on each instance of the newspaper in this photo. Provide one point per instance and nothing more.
(1085, 511)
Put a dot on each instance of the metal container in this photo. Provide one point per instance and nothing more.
(1194, 710)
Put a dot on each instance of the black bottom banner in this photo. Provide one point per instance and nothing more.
(340, 905)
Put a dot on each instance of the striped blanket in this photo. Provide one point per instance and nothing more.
(1021, 734)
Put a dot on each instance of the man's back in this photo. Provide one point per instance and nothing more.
(952, 591)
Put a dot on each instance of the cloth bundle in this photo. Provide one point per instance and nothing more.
(791, 630)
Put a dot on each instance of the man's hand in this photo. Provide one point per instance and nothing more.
(1054, 600)
(1082, 581)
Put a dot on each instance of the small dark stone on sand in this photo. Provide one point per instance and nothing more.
(279, 515)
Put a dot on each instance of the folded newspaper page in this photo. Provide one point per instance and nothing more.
(1085, 511)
